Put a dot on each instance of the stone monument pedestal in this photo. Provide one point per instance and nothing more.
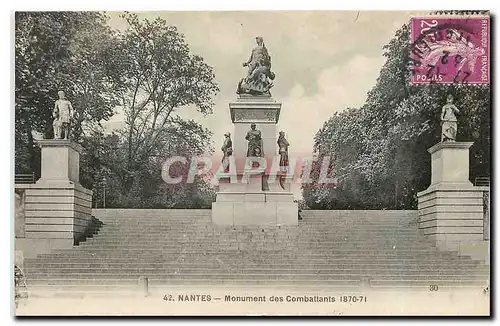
(57, 208)
(451, 211)
(251, 200)
(243, 204)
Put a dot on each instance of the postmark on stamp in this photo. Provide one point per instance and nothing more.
(450, 50)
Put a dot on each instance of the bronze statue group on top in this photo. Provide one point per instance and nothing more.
(259, 77)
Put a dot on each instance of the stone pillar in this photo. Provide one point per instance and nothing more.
(251, 201)
(264, 112)
(57, 207)
(451, 209)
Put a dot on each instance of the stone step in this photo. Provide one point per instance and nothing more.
(303, 235)
(264, 239)
(207, 212)
(211, 248)
(318, 228)
(271, 261)
(306, 236)
(161, 220)
(370, 212)
(291, 264)
(242, 269)
(331, 244)
(298, 263)
(284, 239)
(304, 218)
(291, 243)
(153, 281)
(303, 252)
(440, 282)
(182, 248)
(206, 248)
(304, 221)
(234, 275)
(269, 244)
(263, 244)
(245, 248)
(412, 274)
(178, 217)
(285, 252)
(302, 226)
(356, 219)
(358, 223)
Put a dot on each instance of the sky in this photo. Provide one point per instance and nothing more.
(324, 61)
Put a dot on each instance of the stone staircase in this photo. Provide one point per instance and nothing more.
(329, 249)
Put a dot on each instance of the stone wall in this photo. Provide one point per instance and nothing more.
(50, 217)
(19, 215)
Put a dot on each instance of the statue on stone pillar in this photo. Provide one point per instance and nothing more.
(449, 120)
(254, 138)
(63, 112)
(283, 145)
(259, 77)
(227, 150)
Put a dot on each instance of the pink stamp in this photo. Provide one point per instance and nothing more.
(450, 50)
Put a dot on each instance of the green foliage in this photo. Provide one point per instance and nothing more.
(146, 71)
(379, 151)
(60, 51)
(159, 78)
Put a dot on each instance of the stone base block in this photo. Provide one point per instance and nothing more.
(31, 248)
(279, 197)
(56, 211)
(256, 197)
(475, 249)
(255, 213)
(452, 216)
(276, 186)
(60, 161)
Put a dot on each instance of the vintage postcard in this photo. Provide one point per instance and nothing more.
(252, 163)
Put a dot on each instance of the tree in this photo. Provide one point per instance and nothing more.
(160, 76)
(157, 76)
(379, 151)
(69, 51)
(147, 71)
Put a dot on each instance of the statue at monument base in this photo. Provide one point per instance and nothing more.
(227, 151)
(254, 138)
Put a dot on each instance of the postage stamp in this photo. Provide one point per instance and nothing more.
(450, 50)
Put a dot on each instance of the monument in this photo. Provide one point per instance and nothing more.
(57, 207)
(255, 191)
(451, 209)
(63, 112)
